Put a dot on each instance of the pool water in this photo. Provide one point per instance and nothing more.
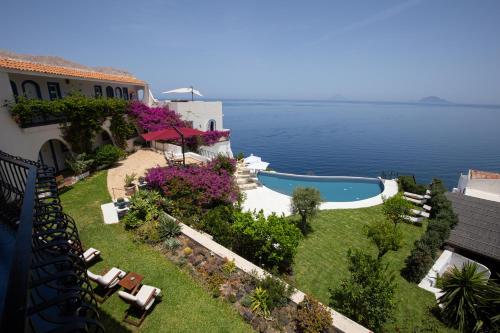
(333, 189)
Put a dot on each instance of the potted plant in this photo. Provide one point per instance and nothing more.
(121, 203)
(129, 184)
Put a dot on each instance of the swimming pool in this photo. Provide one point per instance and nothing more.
(332, 188)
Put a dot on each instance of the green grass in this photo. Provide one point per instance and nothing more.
(185, 306)
(321, 263)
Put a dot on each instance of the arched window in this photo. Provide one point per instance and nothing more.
(31, 90)
(211, 125)
(118, 92)
(109, 92)
(125, 93)
(14, 89)
(97, 91)
(140, 94)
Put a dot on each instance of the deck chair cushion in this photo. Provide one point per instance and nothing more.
(90, 254)
(146, 296)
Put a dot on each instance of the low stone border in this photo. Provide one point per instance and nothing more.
(340, 322)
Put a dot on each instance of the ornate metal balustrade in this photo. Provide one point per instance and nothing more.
(46, 288)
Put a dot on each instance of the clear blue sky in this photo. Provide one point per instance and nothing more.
(366, 50)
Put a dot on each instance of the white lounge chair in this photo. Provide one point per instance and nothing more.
(90, 254)
(415, 201)
(413, 219)
(107, 281)
(427, 208)
(143, 300)
(416, 196)
(420, 212)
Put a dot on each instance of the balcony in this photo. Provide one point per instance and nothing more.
(44, 283)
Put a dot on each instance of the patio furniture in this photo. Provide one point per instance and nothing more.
(131, 282)
(416, 196)
(415, 201)
(142, 301)
(90, 254)
(108, 281)
(427, 208)
(420, 212)
(413, 219)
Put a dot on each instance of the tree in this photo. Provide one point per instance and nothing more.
(468, 301)
(367, 295)
(395, 208)
(305, 202)
(385, 236)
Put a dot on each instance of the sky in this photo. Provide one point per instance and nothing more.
(357, 50)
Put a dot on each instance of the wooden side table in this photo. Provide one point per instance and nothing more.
(131, 282)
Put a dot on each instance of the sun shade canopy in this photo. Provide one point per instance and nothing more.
(171, 134)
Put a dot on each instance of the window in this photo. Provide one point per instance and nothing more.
(211, 125)
(125, 93)
(54, 90)
(31, 90)
(140, 94)
(97, 91)
(132, 95)
(14, 89)
(109, 92)
(118, 92)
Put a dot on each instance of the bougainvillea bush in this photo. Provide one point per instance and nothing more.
(156, 118)
(201, 185)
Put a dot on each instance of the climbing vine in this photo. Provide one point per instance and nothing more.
(80, 117)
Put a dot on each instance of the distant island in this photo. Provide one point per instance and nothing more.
(433, 100)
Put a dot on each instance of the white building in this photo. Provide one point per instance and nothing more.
(42, 139)
(480, 184)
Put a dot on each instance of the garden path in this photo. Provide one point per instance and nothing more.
(137, 163)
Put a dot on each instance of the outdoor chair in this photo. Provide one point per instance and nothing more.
(91, 254)
(108, 281)
(416, 196)
(142, 301)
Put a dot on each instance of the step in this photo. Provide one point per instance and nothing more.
(249, 186)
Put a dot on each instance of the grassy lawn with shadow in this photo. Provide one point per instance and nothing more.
(321, 263)
(185, 306)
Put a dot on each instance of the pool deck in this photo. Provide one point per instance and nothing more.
(271, 201)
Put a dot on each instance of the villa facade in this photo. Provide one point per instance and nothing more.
(42, 139)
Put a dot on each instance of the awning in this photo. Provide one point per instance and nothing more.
(171, 134)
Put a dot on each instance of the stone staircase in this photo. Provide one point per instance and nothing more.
(244, 179)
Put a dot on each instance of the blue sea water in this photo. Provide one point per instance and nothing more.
(364, 139)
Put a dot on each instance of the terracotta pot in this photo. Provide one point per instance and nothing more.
(129, 190)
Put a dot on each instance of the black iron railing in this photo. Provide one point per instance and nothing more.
(46, 287)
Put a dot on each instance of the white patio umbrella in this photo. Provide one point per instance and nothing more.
(189, 90)
(257, 166)
(252, 159)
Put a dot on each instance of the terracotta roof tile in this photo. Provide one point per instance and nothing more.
(478, 174)
(64, 71)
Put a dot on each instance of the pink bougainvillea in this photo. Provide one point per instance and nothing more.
(205, 186)
(212, 137)
(154, 119)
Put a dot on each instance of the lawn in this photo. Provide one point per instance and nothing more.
(185, 306)
(321, 263)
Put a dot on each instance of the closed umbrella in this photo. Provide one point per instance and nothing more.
(189, 90)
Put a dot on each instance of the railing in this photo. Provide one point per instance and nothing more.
(47, 288)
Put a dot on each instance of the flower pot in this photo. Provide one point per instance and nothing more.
(129, 190)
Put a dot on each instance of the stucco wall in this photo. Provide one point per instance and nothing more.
(200, 113)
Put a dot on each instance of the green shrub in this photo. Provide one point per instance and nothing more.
(408, 184)
(80, 163)
(439, 203)
(367, 295)
(385, 235)
(433, 240)
(218, 223)
(147, 233)
(441, 227)
(259, 301)
(167, 227)
(418, 263)
(396, 208)
(271, 242)
(107, 155)
(305, 202)
(145, 207)
(277, 291)
(312, 317)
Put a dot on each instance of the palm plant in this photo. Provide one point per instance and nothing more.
(465, 292)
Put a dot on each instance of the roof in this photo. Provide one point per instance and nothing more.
(171, 134)
(28, 66)
(478, 174)
(478, 227)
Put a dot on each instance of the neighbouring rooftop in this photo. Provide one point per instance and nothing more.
(478, 174)
(478, 227)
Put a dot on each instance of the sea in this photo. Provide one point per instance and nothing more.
(367, 138)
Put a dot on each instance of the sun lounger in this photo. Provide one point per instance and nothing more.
(416, 196)
(143, 300)
(90, 254)
(422, 212)
(108, 281)
(415, 201)
(413, 219)
(427, 208)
